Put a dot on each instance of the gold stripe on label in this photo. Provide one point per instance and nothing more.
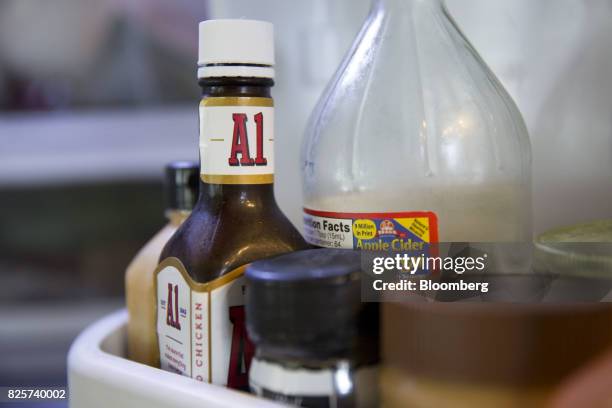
(237, 101)
(241, 179)
(209, 339)
(201, 287)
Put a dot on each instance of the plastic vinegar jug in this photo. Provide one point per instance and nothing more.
(415, 140)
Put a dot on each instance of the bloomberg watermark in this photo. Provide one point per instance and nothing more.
(449, 272)
(404, 266)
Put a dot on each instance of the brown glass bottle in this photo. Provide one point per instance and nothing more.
(232, 224)
(199, 282)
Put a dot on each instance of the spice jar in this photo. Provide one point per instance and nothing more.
(316, 343)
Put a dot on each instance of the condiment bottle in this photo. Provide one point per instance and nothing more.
(181, 191)
(200, 284)
(486, 355)
(415, 140)
(316, 343)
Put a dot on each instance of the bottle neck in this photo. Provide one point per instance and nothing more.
(249, 194)
(253, 196)
(407, 5)
(237, 87)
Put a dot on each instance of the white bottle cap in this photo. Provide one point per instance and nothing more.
(236, 48)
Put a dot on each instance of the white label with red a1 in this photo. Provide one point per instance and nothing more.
(202, 333)
(173, 321)
(236, 140)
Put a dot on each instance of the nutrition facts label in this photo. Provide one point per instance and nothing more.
(403, 231)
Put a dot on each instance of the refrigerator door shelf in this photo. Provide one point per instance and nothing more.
(100, 376)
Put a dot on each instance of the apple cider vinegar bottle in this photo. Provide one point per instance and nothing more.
(415, 141)
(200, 284)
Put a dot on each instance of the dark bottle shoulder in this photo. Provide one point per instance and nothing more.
(212, 243)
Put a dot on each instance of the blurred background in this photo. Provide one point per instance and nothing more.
(97, 95)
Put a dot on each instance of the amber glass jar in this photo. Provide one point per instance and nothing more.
(486, 355)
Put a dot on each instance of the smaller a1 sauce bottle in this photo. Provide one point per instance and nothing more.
(181, 191)
(200, 283)
(316, 342)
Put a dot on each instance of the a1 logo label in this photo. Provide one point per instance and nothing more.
(237, 140)
(173, 320)
(240, 142)
(172, 313)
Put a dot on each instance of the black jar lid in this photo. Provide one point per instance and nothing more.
(181, 185)
(307, 304)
